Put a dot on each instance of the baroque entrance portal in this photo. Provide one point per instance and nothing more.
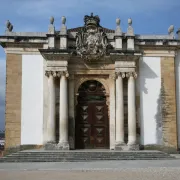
(92, 124)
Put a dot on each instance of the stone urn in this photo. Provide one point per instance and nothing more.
(118, 21)
(63, 19)
(51, 20)
(130, 21)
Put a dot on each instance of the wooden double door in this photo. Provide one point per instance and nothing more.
(92, 124)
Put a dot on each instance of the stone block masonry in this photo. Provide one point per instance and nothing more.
(168, 101)
(13, 100)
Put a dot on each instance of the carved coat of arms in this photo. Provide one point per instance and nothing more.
(91, 40)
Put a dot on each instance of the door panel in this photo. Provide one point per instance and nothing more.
(92, 125)
(92, 128)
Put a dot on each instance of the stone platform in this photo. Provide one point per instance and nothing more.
(83, 155)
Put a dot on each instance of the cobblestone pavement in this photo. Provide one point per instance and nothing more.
(102, 170)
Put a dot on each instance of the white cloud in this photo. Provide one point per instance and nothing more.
(73, 7)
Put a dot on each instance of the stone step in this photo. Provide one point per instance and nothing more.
(71, 155)
(80, 156)
(78, 160)
(86, 156)
(88, 153)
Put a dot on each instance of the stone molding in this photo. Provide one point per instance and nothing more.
(120, 64)
(125, 66)
(102, 80)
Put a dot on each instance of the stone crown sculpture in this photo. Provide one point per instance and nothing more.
(91, 20)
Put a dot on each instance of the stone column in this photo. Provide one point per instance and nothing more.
(119, 112)
(63, 113)
(51, 133)
(112, 114)
(131, 109)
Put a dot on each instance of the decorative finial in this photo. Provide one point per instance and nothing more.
(129, 21)
(130, 30)
(118, 21)
(52, 20)
(118, 28)
(63, 20)
(171, 29)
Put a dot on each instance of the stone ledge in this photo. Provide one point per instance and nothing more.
(15, 149)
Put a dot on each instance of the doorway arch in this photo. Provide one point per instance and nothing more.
(91, 121)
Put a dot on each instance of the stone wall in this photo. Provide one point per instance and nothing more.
(13, 100)
(149, 91)
(168, 101)
(32, 100)
(177, 70)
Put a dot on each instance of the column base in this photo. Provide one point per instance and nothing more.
(50, 145)
(54, 146)
(119, 146)
(63, 146)
(133, 147)
(124, 147)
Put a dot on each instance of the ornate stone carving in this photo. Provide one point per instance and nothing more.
(56, 73)
(91, 40)
(59, 74)
(66, 74)
(47, 73)
(131, 74)
(9, 26)
(121, 74)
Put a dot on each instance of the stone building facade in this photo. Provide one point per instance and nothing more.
(92, 87)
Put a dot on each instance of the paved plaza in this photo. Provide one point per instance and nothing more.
(101, 170)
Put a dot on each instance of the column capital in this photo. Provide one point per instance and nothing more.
(65, 73)
(131, 74)
(121, 74)
(56, 73)
(48, 73)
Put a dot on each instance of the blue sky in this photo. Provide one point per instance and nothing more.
(149, 17)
